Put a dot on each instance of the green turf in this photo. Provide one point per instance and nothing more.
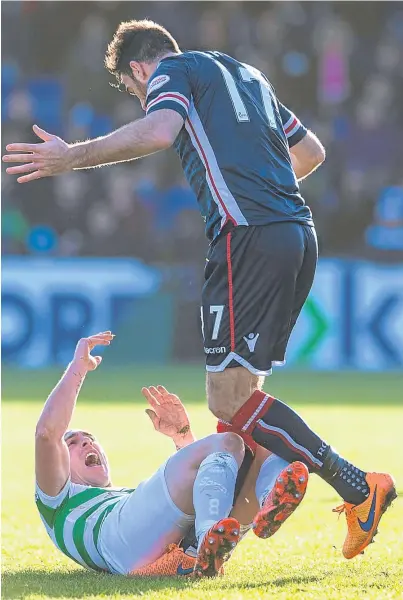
(361, 415)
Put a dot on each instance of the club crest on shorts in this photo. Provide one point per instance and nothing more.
(251, 340)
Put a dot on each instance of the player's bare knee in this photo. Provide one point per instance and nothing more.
(232, 443)
(228, 390)
(224, 442)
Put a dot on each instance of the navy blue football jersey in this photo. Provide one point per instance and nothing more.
(234, 145)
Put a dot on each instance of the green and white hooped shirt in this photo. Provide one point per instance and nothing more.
(73, 519)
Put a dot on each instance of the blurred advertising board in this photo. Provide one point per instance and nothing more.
(353, 318)
(48, 304)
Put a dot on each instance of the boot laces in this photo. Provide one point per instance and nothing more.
(344, 508)
(340, 509)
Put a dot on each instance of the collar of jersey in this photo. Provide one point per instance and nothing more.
(165, 57)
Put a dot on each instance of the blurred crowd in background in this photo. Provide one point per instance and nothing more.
(341, 74)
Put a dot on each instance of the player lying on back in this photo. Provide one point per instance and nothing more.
(123, 531)
(268, 489)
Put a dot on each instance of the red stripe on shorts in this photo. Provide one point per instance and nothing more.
(230, 294)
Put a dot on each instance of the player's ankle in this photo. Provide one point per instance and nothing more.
(347, 479)
(202, 532)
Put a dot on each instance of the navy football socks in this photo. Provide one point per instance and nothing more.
(277, 427)
(345, 478)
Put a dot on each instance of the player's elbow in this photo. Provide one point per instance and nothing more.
(315, 153)
(44, 433)
(308, 154)
(319, 155)
(165, 139)
(168, 131)
(166, 125)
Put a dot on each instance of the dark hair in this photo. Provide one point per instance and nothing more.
(143, 41)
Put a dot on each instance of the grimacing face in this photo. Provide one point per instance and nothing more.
(88, 462)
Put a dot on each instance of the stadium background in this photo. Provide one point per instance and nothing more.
(123, 247)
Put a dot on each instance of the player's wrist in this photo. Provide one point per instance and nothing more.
(74, 156)
(81, 155)
(184, 438)
(79, 367)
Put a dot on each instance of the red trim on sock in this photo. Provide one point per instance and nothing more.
(287, 443)
(230, 294)
(222, 427)
(246, 417)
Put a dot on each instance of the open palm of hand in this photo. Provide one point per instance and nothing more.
(167, 412)
(47, 158)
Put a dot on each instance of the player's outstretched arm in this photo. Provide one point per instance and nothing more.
(54, 156)
(168, 415)
(52, 461)
(307, 155)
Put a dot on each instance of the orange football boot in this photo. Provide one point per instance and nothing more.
(216, 547)
(363, 519)
(287, 493)
(173, 562)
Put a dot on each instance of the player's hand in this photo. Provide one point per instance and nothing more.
(50, 157)
(83, 358)
(168, 415)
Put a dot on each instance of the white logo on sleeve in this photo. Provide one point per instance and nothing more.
(251, 340)
(157, 83)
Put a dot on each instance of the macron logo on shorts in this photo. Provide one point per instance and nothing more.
(251, 340)
(217, 350)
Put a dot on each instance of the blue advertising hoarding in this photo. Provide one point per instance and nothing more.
(48, 304)
(353, 318)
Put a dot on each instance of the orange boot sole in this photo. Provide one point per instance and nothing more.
(216, 547)
(287, 493)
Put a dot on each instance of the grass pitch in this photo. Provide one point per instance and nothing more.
(362, 415)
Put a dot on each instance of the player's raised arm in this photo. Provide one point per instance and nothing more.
(142, 137)
(168, 415)
(52, 461)
(307, 152)
(54, 156)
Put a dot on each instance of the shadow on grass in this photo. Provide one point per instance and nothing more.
(78, 584)
(299, 579)
(280, 582)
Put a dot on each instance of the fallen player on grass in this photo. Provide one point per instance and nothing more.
(125, 530)
(267, 490)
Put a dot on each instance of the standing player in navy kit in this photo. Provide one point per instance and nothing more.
(243, 154)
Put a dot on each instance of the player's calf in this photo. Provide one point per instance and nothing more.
(213, 496)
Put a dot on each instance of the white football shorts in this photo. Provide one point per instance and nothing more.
(138, 530)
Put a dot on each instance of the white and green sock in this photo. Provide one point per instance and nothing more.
(269, 471)
(213, 491)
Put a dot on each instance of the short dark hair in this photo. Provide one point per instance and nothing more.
(143, 41)
(72, 432)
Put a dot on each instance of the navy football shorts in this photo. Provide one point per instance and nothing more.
(257, 279)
